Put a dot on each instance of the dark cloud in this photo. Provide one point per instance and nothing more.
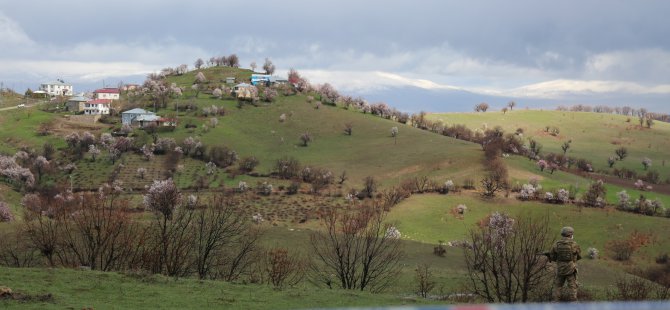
(471, 44)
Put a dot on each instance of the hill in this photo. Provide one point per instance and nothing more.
(594, 136)
(369, 151)
(272, 130)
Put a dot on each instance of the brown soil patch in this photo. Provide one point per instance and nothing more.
(65, 125)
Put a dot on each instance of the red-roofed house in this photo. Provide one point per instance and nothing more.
(97, 106)
(106, 93)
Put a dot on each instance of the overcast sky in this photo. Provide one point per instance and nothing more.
(527, 50)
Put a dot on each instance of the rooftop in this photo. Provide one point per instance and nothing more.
(138, 111)
(57, 83)
(100, 101)
(107, 91)
(148, 118)
(78, 98)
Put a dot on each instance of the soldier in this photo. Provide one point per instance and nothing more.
(566, 253)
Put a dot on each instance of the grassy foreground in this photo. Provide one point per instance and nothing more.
(75, 289)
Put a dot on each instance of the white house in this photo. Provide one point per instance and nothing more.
(97, 106)
(57, 88)
(106, 93)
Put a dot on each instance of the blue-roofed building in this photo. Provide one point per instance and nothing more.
(130, 116)
(260, 79)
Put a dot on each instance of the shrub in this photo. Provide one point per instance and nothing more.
(248, 164)
(595, 195)
(222, 156)
(393, 233)
(293, 188)
(529, 191)
(630, 288)
(264, 188)
(283, 268)
(440, 250)
(424, 280)
(305, 138)
(286, 167)
(5, 213)
(592, 253)
(562, 196)
(242, 186)
(623, 201)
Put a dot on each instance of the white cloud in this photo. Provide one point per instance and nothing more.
(73, 71)
(649, 65)
(362, 81)
(558, 89)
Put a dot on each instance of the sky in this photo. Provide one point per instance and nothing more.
(415, 55)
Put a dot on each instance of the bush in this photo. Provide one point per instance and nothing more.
(264, 188)
(592, 253)
(595, 195)
(630, 288)
(286, 167)
(5, 213)
(293, 188)
(622, 250)
(222, 156)
(662, 258)
(248, 164)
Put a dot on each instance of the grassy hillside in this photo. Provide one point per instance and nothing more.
(369, 151)
(594, 136)
(429, 218)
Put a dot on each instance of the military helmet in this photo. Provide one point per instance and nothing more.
(567, 231)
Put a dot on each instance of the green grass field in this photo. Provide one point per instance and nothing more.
(594, 136)
(369, 151)
(73, 289)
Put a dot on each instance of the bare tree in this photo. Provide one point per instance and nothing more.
(621, 152)
(233, 61)
(566, 146)
(268, 66)
(198, 63)
(348, 127)
(305, 138)
(355, 251)
(511, 105)
(218, 228)
(503, 262)
(253, 66)
(98, 232)
(424, 280)
(283, 268)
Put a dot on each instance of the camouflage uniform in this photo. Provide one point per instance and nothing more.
(565, 253)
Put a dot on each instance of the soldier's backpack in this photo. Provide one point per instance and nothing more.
(564, 251)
